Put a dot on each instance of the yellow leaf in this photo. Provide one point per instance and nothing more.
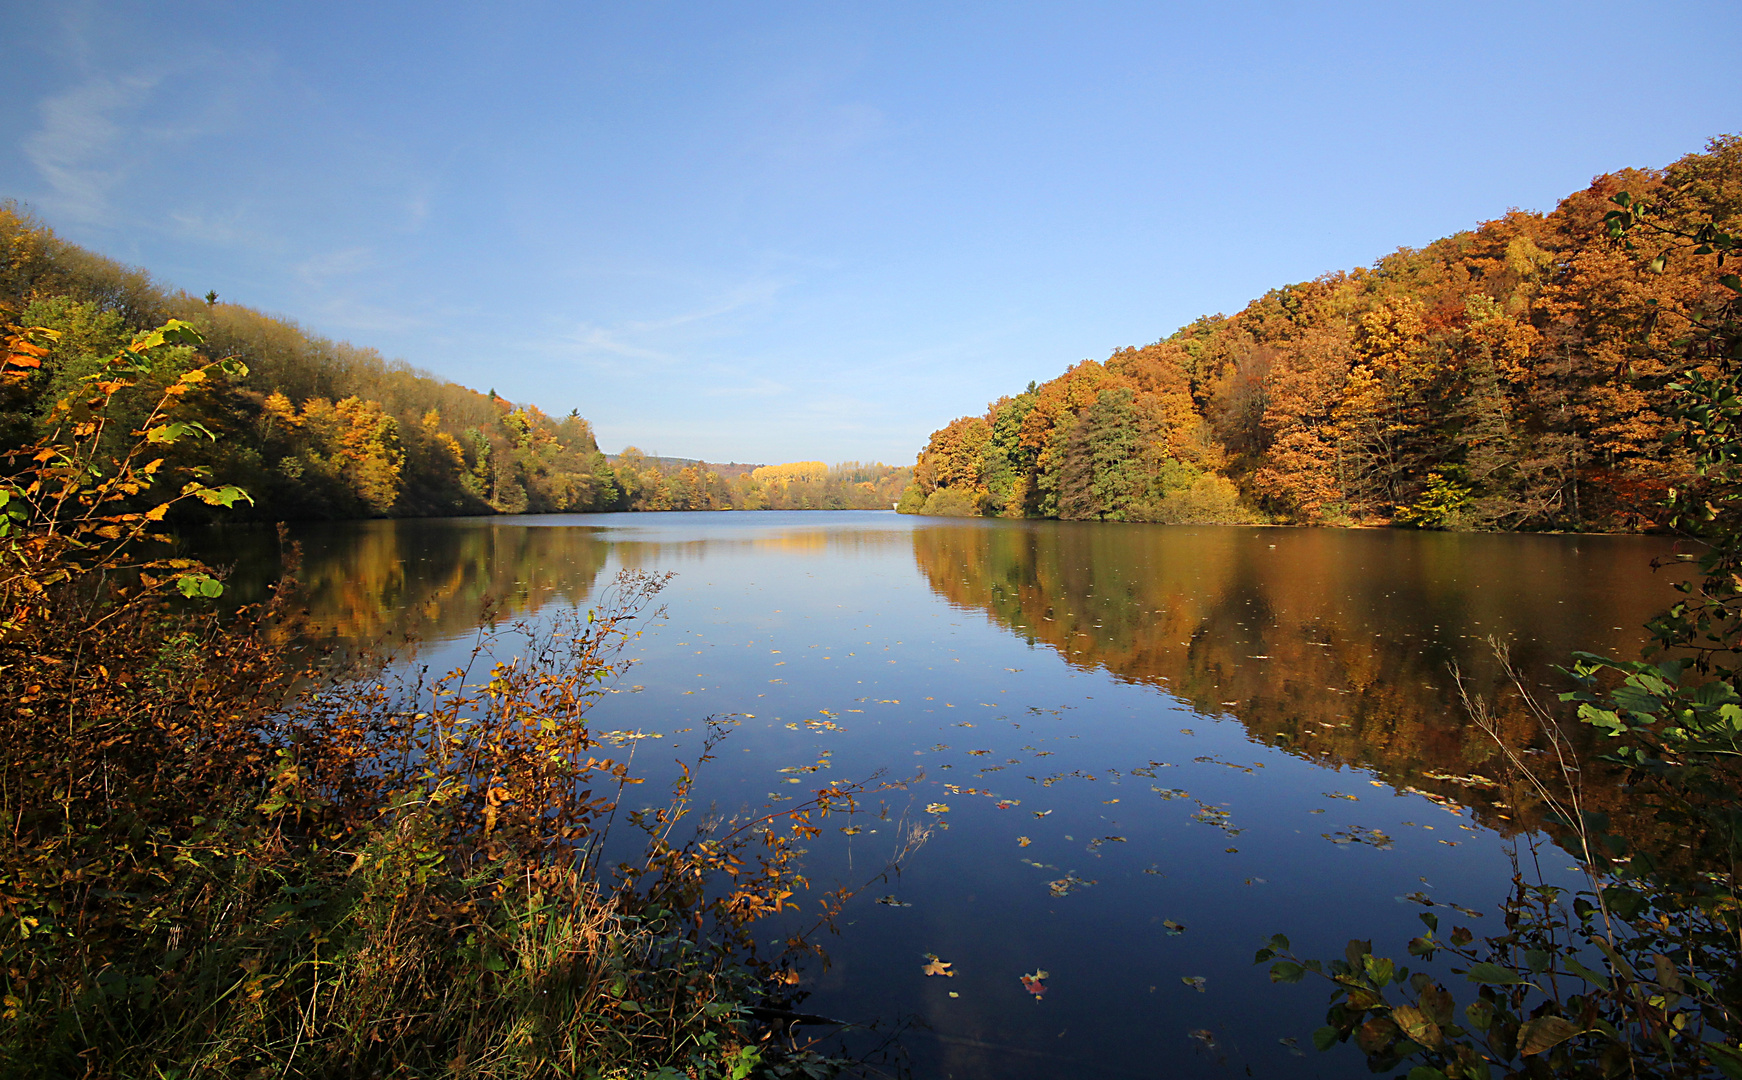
(194, 376)
(156, 513)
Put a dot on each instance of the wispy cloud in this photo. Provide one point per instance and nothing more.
(75, 150)
(755, 387)
(669, 339)
(317, 271)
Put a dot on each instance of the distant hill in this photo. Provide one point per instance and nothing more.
(728, 471)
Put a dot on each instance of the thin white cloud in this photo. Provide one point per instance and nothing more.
(317, 271)
(756, 387)
(667, 340)
(76, 149)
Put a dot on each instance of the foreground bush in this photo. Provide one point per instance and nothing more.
(217, 864)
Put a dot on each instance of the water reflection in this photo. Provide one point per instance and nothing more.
(1332, 645)
(384, 582)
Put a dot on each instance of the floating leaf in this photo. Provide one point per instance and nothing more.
(937, 808)
(1173, 929)
(1005, 804)
(1196, 982)
(1063, 886)
(891, 901)
(1023, 841)
(1035, 984)
(934, 966)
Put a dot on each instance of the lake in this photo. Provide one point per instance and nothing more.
(1157, 745)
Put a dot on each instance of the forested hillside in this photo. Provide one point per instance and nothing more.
(1496, 379)
(313, 428)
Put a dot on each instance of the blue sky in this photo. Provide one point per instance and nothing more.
(770, 232)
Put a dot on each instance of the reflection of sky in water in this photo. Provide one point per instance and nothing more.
(1178, 717)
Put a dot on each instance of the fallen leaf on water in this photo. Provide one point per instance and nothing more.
(937, 808)
(1361, 834)
(954, 994)
(1023, 841)
(1005, 804)
(892, 901)
(1185, 731)
(1204, 1036)
(1064, 885)
(1173, 929)
(1042, 813)
(934, 966)
(1196, 982)
(851, 830)
(1035, 984)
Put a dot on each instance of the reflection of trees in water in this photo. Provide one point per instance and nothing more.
(1336, 646)
(379, 582)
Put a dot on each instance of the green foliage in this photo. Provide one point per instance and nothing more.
(912, 500)
(950, 502)
(1443, 505)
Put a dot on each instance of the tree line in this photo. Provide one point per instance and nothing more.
(1508, 377)
(316, 428)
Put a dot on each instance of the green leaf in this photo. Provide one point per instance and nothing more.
(1379, 969)
(1585, 973)
(1417, 1025)
(1324, 1038)
(1728, 1059)
(1426, 1072)
(1543, 1033)
(167, 433)
(226, 496)
(1286, 971)
(1623, 901)
(1493, 975)
(192, 585)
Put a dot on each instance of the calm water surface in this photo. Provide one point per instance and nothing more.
(1241, 731)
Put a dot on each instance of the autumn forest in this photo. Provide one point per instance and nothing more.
(1495, 379)
(313, 428)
